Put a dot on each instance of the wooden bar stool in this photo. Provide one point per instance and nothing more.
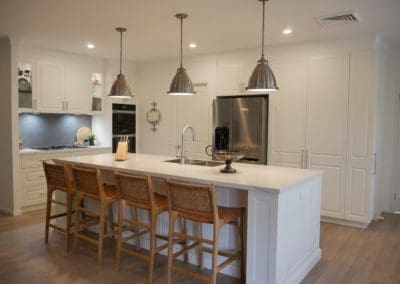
(137, 192)
(198, 203)
(58, 179)
(89, 184)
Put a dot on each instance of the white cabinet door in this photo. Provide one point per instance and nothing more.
(50, 79)
(229, 77)
(193, 111)
(287, 115)
(78, 89)
(360, 137)
(326, 139)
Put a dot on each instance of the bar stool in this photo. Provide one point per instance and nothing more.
(198, 203)
(89, 184)
(137, 192)
(58, 179)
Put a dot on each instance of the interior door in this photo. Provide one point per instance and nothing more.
(78, 89)
(327, 112)
(196, 112)
(50, 87)
(287, 114)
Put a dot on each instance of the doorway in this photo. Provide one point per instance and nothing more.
(396, 164)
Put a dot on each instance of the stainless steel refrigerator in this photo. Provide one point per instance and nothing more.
(241, 123)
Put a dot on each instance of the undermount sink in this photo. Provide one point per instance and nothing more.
(197, 162)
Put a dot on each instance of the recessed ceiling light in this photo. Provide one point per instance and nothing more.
(192, 45)
(287, 31)
(90, 45)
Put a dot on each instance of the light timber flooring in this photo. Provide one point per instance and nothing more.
(349, 255)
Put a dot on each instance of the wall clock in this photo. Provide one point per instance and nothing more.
(153, 116)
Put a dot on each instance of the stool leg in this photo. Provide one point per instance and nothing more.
(121, 206)
(68, 228)
(200, 246)
(134, 216)
(172, 218)
(77, 218)
(153, 220)
(48, 210)
(101, 231)
(214, 263)
(184, 231)
(111, 219)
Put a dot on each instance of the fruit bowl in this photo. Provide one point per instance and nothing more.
(228, 156)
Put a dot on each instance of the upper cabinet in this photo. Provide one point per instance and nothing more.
(50, 90)
(25, 84)
(78, 89)
(50, 85)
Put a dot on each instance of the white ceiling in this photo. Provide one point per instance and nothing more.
(153, 32)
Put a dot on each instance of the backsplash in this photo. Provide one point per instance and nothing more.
(40, 130)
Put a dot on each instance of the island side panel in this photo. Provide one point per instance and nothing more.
(261, 237)
(298, 231)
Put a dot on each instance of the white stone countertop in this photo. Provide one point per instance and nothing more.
(28, 151)
(248, 177)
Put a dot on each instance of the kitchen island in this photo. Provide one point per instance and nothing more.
(283, 210)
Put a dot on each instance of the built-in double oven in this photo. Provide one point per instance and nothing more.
(124, 125)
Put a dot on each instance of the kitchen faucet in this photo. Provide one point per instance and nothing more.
(184, 153)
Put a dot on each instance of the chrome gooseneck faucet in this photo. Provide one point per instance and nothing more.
(184, 153)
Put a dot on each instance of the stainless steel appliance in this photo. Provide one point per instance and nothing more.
(241, 123)
(124, 125)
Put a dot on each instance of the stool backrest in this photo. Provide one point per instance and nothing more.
(193, 201)
(137, 190)
(57, 176)
(88, 181)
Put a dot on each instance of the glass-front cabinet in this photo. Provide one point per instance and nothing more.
(97, 92)
(26, 100)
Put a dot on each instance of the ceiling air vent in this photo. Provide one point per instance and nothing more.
(339, 19)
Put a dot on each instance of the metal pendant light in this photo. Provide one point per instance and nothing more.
(262, 79)
(181, 85)
(121, 87)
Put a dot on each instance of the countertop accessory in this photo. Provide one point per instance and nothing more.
(121, 87)
(228, 156)
(122, 149)
(181, 85)
(262, 78)
(82, 134)
(153, 116)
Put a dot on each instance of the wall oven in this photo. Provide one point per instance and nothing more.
(124, 125)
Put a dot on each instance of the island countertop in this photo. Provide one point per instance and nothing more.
(248, 177)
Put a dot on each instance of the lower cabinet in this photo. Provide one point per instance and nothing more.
(33, 180)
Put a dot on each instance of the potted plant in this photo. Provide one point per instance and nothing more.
(91, 139)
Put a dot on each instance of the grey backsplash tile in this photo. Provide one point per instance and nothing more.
(39, 130)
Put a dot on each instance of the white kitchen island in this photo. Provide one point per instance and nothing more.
(283, 210)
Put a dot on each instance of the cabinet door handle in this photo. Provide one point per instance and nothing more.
(66, 106)
(306, 159)
(63, 106)
(302, 159)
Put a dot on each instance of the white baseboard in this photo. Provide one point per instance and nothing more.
(304, 268)
(32, 208)
(344, 222)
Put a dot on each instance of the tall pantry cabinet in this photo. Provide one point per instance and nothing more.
(323, 118)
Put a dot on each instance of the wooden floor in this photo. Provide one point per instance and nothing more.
(349, 255)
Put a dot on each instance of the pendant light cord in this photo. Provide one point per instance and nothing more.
(120, 54)
(263, 30)
(181, 41)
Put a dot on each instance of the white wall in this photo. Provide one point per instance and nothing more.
(6, 153)
(388, 68)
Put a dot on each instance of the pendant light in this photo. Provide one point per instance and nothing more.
(121, 87)
(262, 79)
(181, 85)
